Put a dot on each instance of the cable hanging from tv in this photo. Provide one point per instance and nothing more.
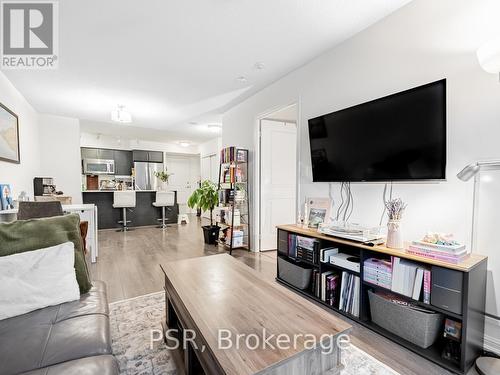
(344, 211)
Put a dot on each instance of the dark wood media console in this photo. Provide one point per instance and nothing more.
(471, 273)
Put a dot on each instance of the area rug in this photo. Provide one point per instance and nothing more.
(133, 319)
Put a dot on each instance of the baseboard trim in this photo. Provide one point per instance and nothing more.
(492, 343)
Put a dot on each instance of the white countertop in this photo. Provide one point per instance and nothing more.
(65, 207)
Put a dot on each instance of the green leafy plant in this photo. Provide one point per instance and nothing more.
(163, 176)
(205, 198)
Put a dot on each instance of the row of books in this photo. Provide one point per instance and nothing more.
(409, 278)
(446, 253)
(326, 286)
(232, 174)
(231, 154)
(339, 290)
(399, 275)
(349, 294)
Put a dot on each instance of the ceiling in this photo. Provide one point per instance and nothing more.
(174, 64)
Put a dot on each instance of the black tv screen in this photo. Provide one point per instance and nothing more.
(395, 138)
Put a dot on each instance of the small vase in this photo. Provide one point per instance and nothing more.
(164, 186)
(394, 235)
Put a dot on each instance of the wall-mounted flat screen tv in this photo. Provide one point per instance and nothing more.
(399, 137)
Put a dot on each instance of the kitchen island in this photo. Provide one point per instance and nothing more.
(143, 214)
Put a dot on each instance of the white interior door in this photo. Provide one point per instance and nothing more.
(278, 179)
(181, 179)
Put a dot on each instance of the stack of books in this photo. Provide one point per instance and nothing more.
(349, 294)
(378, 272)
(450, 253)
(408, 278)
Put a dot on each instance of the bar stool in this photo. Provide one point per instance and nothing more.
(124, 200)
(164, 199)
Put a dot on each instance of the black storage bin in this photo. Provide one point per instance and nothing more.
(295, 274)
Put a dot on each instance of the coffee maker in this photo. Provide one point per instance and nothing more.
(43, 186)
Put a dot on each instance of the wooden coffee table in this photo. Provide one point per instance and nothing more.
(216, 298)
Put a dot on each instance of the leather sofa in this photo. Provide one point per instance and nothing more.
(68, 339)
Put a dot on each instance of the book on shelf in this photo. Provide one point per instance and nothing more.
(427, 286)
(323, 284)
(292, 245)
(324, 254)
(417, 285)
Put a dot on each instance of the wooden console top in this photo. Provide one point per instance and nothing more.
(219, 292)
(472, 261)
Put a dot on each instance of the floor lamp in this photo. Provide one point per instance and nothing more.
(489, 59)
(487, 365)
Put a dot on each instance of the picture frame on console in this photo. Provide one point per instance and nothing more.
(317, 211)
(9, 136)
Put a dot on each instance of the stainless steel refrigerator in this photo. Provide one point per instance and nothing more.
(145, 175)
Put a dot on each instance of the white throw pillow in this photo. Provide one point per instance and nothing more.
(36, 279)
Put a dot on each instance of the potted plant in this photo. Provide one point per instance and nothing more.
(206, 198)
(163, 177)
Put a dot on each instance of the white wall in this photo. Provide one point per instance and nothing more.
(20, 176)
(211, 147)
(107, 141)
(60, 153)
(422, 42)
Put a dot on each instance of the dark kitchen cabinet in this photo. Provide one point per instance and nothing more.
(90, 153)
(139, 155)
(155, 156)
(148, 156)
(97, 153)
(106, 154)
(123, 162)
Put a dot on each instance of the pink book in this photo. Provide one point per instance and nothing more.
(448, 259)
(427, 286)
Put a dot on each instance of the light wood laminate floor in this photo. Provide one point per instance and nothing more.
(129, 264)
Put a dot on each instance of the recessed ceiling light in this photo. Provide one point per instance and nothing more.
(241, 79)
(259, 65)
(214, 128)
(185, 143)
(121, 115)
(193, 123)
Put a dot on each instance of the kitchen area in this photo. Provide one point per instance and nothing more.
(106, 171)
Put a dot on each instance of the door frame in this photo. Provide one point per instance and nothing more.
(258, 167)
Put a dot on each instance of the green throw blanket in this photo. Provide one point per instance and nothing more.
(28, 235)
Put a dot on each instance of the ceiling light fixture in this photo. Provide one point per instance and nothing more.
(259, 65)
(214, 128)
(120, 115)
(185, 143)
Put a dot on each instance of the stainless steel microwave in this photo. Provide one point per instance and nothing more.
(98, 166)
